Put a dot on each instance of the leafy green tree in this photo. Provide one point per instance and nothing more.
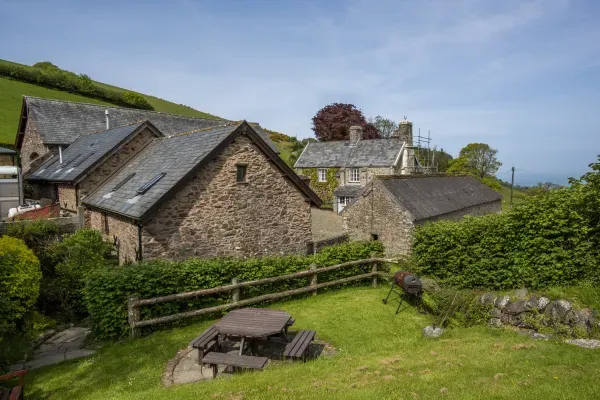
(477, 159)
(384, 126)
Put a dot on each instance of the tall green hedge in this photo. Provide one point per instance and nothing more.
(542, 242)
(106, 290)
(56, 78)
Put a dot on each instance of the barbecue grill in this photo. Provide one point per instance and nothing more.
(410, 286)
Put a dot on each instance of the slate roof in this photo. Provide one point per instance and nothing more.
(432, 196)
(348, 190)
(4, 150)
(85, 152)
(337, 154)
(176, 157)
(60, 122)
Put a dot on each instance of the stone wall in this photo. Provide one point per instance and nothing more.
(478, 210)
(376, 216)
(32, 143)
(114, 162)
(540, 315)
(125, 232)
(67, 197)
(318, 245)
(213, 215)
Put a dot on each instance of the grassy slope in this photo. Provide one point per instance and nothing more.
(474, 363)
(518, 196)
(11, 93)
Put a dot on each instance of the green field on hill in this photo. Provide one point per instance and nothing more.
(12, 92)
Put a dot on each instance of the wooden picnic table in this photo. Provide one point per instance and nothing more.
(253, 323)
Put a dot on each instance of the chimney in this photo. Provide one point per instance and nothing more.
(107, 122)
(356, 134)
(405, 131)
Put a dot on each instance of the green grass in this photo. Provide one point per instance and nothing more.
(518, 197)
(474, 363)
(11, 93)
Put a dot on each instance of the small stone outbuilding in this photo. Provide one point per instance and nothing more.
(219, 191)
(390, 207)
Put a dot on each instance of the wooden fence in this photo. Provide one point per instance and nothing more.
(134, 303)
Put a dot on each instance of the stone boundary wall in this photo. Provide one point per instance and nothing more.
(316, 246)
(65, 224)
(540, 314)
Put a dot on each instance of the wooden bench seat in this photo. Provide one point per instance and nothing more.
(233, 360)
(288, 324)
(207, 341)
(298, 347)
(16, 392)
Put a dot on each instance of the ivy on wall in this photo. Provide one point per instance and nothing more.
(323, 189)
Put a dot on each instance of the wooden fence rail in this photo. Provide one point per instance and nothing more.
(134, 303)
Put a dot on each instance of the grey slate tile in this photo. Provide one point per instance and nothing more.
(337, 154)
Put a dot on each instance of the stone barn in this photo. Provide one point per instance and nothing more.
(389, 208)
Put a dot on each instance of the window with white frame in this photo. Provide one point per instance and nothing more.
(354, 175)
(322, 175)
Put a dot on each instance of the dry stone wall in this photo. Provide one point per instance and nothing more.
(67, 197)
(125, 232)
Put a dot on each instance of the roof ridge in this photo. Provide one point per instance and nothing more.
(122, 108)
(231, 123)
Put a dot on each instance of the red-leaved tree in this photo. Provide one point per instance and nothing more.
(333, 122)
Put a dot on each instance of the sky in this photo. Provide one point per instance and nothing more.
(520, 75)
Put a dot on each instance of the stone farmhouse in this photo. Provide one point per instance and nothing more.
(389, 208)
(339, 170)
(217, 189)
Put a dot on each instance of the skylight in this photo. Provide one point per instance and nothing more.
(78, 163)
(150, 183)
(124, 181)
(71, 160)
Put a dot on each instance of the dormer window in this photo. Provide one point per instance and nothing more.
(354, 175)
(322, 175)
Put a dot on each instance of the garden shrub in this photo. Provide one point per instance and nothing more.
(107, 289)
(20, 277)
(38, 235)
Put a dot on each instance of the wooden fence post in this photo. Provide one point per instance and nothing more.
(133, 315)
(313, 279)
(236, 291)
(374, 271)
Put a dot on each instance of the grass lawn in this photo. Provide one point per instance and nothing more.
(518, 196)
(474, 363)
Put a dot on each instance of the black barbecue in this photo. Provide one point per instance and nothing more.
(410, 286)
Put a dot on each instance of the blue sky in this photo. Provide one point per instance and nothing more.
(523, 76)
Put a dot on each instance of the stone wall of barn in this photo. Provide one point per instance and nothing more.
(125, 232)
(375, 215)
(214, 215)
(67, 197)
(114, 162)
(32, 147)
(478, 210)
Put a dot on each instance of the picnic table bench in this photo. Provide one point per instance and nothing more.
(208, 340)
(16, 392)
(298, 347)
(233, 360)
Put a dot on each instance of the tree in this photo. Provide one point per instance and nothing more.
(333, 122)
(384, 126)
(477, 159)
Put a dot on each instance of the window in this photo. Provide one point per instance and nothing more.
(124, 181)
(150, 183)
(78, 163)
(241, 172)
(354, 175)
(33, 156)
(345, 200)
(322, 175)
(105, 223)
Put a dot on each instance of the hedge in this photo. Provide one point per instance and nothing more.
(106, 290)
(56, 78)
(544, 241)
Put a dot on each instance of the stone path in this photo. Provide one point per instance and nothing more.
(585, 343)
(65, 345)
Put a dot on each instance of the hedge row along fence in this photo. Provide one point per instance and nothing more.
(108, 291)
(56, 78)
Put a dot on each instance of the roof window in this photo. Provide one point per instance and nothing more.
(78, 163)
(124, 181)
(150, 183)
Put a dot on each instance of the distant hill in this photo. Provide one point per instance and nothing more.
(12, 92)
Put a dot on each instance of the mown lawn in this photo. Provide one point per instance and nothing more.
(474, 363)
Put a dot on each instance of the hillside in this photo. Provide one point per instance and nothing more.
(518, 196)
(12, 91)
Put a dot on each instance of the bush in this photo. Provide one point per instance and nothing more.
(38, 235)
(49, 75)
(543, 241)
(20, 277)
(106, 290)
(74, 257)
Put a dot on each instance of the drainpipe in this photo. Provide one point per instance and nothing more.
(60, 153)
(140, 241)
